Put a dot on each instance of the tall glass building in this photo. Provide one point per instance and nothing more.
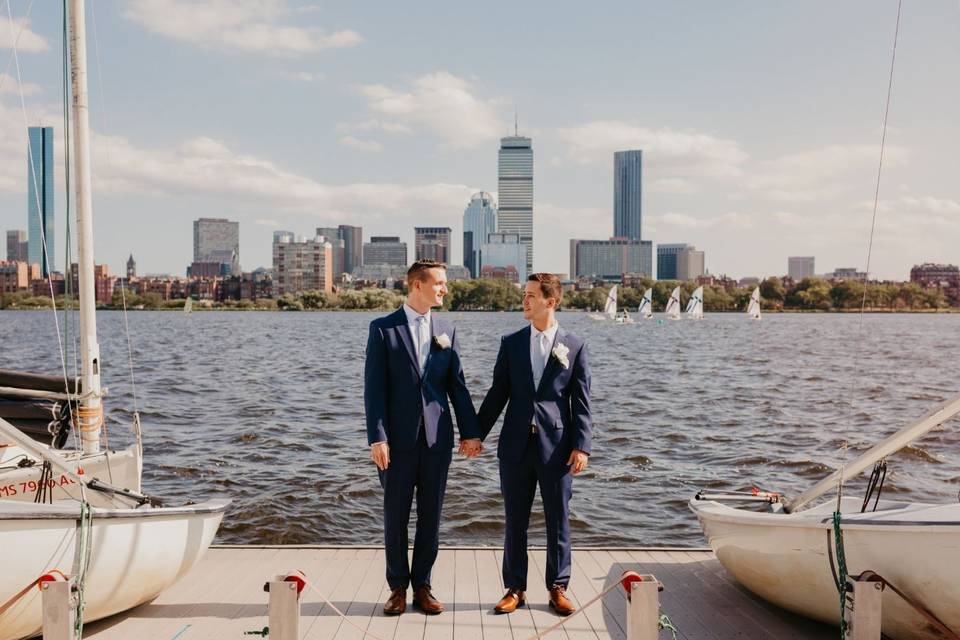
(40, 246)
(627, 178)
(479, 221)
(515, 184)
(667, 260)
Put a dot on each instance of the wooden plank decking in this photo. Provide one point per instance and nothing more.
(223, 597)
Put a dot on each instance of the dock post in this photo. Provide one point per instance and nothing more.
(863, 609)
(643, 610)
(284, 609)
(59, 614)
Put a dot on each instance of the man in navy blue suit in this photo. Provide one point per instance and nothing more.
(412, 367)
(543, 378)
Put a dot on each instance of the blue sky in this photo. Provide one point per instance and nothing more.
(760, 122)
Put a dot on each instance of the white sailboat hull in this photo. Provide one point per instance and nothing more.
(118, 468)
(136, 554)
(783, 558)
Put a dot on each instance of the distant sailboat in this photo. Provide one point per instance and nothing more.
(188, 306)
(753, 308)
(610, 309)
(673, 305)
(645, 310)
(695, 305)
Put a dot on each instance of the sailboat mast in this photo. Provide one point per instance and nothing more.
(90, 411)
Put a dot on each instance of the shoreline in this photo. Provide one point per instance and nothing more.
(198, 308)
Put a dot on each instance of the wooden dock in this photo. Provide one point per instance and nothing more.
(223, 597)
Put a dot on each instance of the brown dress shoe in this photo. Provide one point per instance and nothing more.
(510, 601)
(559, 602)
(424, 600)
(396, 603)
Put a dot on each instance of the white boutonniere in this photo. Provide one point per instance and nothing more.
(560, 353)
(443, 341)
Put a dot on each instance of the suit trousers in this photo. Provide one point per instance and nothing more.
(518, 484)
(424, 473)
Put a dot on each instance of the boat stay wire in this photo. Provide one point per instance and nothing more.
(14, 37)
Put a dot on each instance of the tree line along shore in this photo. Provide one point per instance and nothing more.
(809, 294)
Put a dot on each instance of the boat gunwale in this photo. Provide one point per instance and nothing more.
(214, 506)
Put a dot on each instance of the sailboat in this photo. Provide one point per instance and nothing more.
(118, 545)
(786, 554)
(695, 305)
(645, 310)
(188, 306)
(753, 307)
(610, 308)
(673, 305)
(796, 557)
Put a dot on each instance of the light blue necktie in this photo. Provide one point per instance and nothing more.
(541, 362)
(421, 349)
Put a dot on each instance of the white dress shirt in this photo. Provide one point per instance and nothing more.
(420, 330)
(541, 344)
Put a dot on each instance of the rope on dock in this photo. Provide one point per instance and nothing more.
(342, 615)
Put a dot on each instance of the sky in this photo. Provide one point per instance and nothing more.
(760, 123)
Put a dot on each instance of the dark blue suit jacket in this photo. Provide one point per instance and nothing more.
(396, 395)
(559, 407)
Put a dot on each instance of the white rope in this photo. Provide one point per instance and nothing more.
(543, 633)
(342, 615)
(36, 193)
(573, 615)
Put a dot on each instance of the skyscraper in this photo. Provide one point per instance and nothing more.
(690, 264)
(479, 221)
(432, 243)
(627, 190)
(41, 241)
(800, 267)
(217, 240)
(667, 260)
(352, 246)
(332, 235)
(385, 250)
(17, 246)
(515, 185)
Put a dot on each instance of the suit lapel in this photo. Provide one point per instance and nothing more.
(553, 365)
(523, 356)
(404, 330)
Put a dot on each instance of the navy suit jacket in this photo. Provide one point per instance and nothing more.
(559, 406)
(395, 395)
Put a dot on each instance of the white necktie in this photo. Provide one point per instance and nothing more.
(421, 347)
(541, 363)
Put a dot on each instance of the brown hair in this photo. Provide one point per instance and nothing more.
(418, 270)
(549, 285)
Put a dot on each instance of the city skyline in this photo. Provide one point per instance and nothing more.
(764, 153)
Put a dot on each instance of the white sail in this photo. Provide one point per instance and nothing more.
(695, 305)
(753, 308)
(673, 305)
(610, 308)
(188, 306)
(645, 310)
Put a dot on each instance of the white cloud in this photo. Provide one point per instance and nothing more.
(360, 145)
(669, 152)
(267, 222)
(240, 25)
(822, 173)
(208, 167)
(27, 40)
(8, 84)
(730, 220)
(439, 102)
(305, 76)
(373, 124)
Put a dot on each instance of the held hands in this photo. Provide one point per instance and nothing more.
(380, 454)
(471, 447)
(578, 461)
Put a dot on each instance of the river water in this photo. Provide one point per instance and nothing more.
(267, 409)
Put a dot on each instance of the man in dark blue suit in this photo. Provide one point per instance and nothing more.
(412, 367)
(543, 378)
